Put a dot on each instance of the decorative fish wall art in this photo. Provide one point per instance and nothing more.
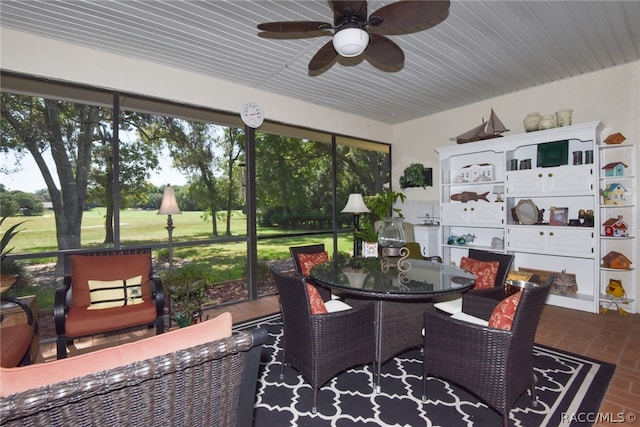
(466, 196)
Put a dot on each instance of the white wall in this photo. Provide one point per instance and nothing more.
(38, 56)
(611, 96)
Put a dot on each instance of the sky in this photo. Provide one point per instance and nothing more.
(29, 179)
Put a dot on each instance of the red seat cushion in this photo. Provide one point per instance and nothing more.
(82, 322)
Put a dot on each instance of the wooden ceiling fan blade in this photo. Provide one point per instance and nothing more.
(294, 35)
(294, 26)
(357, 7)
(384, 54)
(323, 59)
(406, 17)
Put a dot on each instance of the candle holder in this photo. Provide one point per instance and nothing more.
(395, 258)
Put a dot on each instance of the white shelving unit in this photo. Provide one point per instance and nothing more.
(536, 245)
(625, 210)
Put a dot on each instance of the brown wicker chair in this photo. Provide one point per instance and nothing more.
(16, 338)
(205, 385)
(322, 345)
(73, 320)
(494, 364)
(481, 302)
(483, 299)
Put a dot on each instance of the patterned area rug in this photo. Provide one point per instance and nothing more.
(567, 384)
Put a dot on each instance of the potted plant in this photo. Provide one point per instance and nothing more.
(381, 204)
(416, 175)
(9, 268)
(187, 287)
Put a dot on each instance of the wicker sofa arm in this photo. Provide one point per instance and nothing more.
(204, 385)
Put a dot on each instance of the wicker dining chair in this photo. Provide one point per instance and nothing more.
(483, 299)
(297, 265)
(494, 364)
(481, 302)
(319, 346)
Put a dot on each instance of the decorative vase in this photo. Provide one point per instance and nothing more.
(563, 118)
(532, 122)
(547, 122)
(391, 233)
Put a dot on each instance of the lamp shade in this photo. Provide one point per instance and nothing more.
(169, 205)
(355, 204)
(350, 42)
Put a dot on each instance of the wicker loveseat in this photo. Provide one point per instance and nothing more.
(202, 375)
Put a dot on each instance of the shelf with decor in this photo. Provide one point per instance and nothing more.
(472, 207)
(542, 204)
(618, 247)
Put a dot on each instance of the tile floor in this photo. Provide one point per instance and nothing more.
(608, 337)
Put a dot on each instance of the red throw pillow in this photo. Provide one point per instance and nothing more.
(308, 261)
(485, 271)
(315, 300)
(502, 316)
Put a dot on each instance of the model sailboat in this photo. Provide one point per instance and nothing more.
(487, 130)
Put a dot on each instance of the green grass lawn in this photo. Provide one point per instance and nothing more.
(227, 259)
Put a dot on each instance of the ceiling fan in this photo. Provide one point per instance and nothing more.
(355, 34)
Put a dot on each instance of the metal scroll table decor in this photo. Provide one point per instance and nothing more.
(395, 258)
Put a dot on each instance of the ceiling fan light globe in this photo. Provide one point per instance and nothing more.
(350, 42)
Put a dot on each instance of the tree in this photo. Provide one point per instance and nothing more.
(8, 204)
(193, 149)
(232, 144)
(68, 131)
(136, 159)
(28, 204)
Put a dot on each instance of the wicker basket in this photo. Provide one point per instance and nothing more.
(7, 281)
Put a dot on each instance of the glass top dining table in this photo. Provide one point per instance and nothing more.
(423, 279)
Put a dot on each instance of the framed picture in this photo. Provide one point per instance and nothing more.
(559, 216)
(553, 154)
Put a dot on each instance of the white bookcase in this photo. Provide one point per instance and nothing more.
(566, 187)
(620, 241)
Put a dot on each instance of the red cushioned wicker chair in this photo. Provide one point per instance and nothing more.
(481, 302)
(494, 364)
(322, 345)
(74, 320)
(308, 249)
(483, 299)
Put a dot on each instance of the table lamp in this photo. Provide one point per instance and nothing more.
(355, 205)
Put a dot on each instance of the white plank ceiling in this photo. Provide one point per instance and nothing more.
(482, 50)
